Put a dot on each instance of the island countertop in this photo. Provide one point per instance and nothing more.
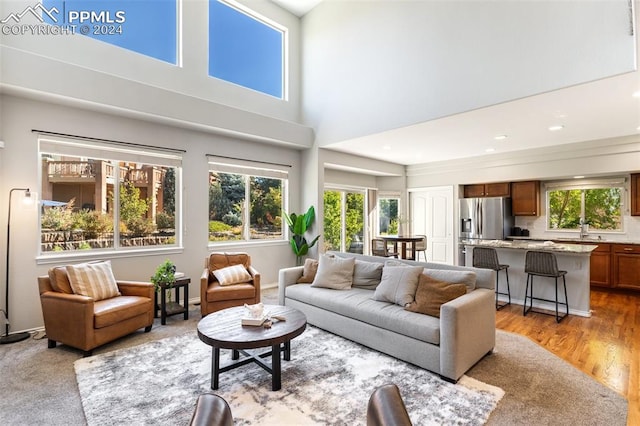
(533, 245)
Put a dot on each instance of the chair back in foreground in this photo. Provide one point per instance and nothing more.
(386, 408)
(228, 280)
(83, 306)
(211, 410)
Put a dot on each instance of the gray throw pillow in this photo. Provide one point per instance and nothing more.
(367, 275)
(398, 284)
(467, 278)
(334, 272)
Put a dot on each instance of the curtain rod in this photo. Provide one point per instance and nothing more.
(109, 141)
(253, 161)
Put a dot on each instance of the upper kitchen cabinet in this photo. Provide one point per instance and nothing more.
(499, 189)
(635, 194)
(525, 198)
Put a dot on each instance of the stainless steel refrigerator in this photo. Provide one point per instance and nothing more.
(484, 219)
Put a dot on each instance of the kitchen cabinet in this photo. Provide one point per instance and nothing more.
(626, 266)
(497, 189)
(525, 198)
(601, 266)
(635, 194)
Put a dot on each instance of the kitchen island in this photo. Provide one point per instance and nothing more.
(573, 258)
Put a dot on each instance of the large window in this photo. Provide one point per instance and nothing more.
(246, 49)
(245, 203)
(388, 216)
(597, 204)
(344, 220)
(149, 27)
(107, 197)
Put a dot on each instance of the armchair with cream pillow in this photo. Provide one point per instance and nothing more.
(85, 307)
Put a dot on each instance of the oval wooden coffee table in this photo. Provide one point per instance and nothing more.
(224, 330)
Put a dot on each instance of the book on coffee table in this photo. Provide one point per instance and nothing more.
(254, 321)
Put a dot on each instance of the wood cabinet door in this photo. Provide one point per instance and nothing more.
(635, 194)
(500, 189)
(474, 191)
(601, 266)
(626, 266)
(525, 198)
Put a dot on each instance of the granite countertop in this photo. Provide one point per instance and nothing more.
(533, 245)
(588, 240)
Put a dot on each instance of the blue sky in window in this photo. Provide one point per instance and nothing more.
(245, 51)
(149, 27)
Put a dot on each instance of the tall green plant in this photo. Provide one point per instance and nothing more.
(298, 225)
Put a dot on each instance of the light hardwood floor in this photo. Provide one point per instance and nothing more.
(605, 346)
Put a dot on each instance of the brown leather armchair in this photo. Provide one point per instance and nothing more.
(211, 410)
(214, 297)
(85, 324)
(386, 408)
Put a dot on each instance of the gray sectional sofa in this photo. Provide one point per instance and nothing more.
(448, 345)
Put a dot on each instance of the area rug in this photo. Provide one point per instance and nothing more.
(327, 382)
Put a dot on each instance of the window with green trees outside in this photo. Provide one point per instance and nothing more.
(598, 207)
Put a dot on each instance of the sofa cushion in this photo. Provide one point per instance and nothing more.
(309, 271)
(60, 280)
(398, 284)
(367, 274)
(94, 280)
(234, 274)
(334, 272)
(467, 278)
(358, 304)
(431, 294)
(117, 309)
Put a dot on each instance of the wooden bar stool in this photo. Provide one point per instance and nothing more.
(487, 258)
(544, 264)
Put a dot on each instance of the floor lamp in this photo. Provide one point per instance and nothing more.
(16, 337)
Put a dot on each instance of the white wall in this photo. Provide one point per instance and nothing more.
(371, 66)
(19, 168)
(106, 76)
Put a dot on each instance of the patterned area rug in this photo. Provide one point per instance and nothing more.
(327, 382)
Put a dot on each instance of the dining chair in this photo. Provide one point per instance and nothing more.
(379, 247)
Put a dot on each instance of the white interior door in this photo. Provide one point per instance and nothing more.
(432, 215)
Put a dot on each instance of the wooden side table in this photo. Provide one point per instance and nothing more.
(168, 309)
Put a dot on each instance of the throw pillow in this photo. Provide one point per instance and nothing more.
(95, 280)
(309, 271)
(234, 274)
(367, 274)
(60, 280)
(448, 275)
(398, 284)
(334, 272)
(432, 294)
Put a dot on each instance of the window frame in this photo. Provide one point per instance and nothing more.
(283, 30)
(343, 191)
(112, 152)
(249, 169)
(582, 185)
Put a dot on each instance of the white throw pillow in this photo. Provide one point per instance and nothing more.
(234, 274)
(334, 272)
(95, 280)
(398, 284)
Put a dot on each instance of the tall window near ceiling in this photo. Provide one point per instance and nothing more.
(246, 49)
(102, 196)
(344, 215)
(149, 27)
(596, 203)
(246, 201)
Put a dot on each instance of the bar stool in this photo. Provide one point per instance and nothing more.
(544, 264)
(487, 258)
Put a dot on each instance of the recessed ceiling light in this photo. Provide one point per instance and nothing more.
(556, 128)
(638, 128)
(578, 177)
(500, 137)
(386, 148)
(637, 94)
(490, 150)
